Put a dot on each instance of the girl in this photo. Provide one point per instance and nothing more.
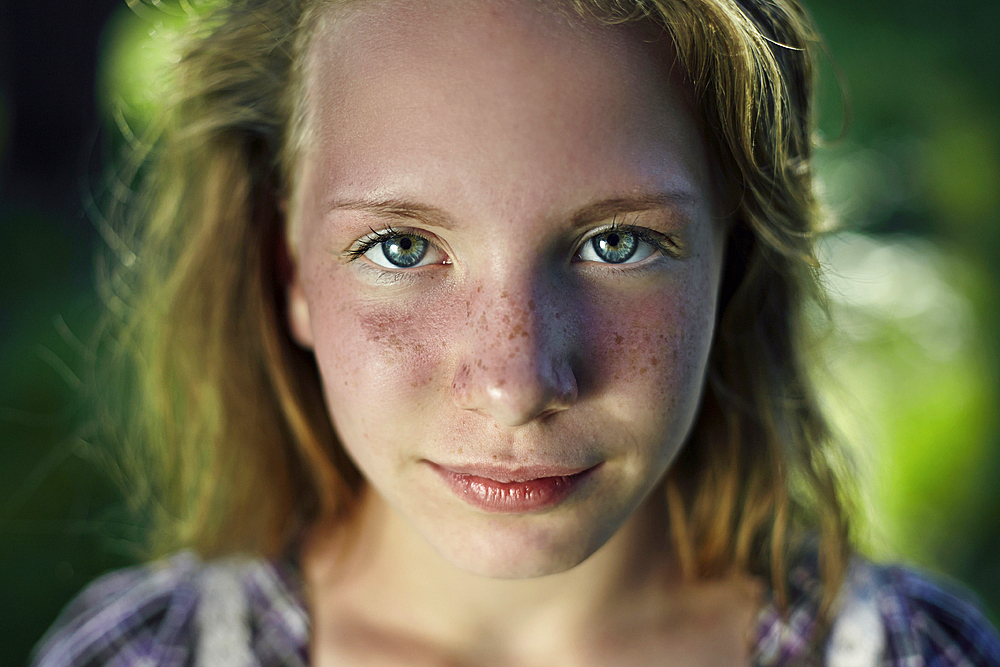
(470, 333)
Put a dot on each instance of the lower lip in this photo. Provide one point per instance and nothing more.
(533, 495)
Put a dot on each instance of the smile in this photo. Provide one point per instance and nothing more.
(520, 491)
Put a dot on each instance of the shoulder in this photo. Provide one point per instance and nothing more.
(182, 611)
(908, 618)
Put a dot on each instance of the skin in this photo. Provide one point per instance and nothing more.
(506, 136)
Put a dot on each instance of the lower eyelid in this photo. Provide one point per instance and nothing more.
(382, 276)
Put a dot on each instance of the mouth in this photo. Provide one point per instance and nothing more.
(522, 490)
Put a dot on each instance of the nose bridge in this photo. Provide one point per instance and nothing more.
(515, 366)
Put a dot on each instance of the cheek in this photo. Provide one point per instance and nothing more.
(375, 358)
(652, 349)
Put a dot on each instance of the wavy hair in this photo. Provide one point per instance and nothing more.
(234, 448)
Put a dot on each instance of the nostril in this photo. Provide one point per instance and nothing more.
(514, 392)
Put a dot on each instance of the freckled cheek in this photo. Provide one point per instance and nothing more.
(653, 350)
(373, 353)
(379, 355)
(375, 363)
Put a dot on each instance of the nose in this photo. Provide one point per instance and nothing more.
(516, 365)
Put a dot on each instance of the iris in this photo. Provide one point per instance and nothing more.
(615, 246)
(405, 250)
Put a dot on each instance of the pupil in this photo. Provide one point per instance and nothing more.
(405, 243)
(613, 240)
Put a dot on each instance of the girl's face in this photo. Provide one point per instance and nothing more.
(507, 265)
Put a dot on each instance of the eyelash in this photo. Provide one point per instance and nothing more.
(662, 243)
(366, 243)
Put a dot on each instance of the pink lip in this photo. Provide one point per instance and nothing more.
(513, 490)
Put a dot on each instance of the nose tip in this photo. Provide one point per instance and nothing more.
(515, 366)
(515, 391)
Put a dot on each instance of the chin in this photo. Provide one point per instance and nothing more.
(523, 551)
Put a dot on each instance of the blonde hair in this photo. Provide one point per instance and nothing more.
(236, 447)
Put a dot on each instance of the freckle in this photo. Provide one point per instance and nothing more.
(479, 289)
(557, 316)
(461, 450)
(618, 339)
(501, 383)
(503, 294)
(495, 457)
(506, 319)
(642, 371)
(617, 376)
(654, 361)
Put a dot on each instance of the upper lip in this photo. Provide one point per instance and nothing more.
(512, 473)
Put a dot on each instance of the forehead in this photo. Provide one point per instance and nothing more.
(516, 32)
(495, 89)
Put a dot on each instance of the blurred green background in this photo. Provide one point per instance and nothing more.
(914, 357)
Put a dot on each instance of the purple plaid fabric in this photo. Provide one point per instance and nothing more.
(156, 615)
(904, 618)
(149, 616)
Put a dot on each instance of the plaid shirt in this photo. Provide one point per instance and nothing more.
(182, 612)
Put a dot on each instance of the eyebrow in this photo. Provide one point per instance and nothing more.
(395, 208)
(679, 201)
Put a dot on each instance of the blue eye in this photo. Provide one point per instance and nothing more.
(616, 246)
(391, 249)
(401, 251)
